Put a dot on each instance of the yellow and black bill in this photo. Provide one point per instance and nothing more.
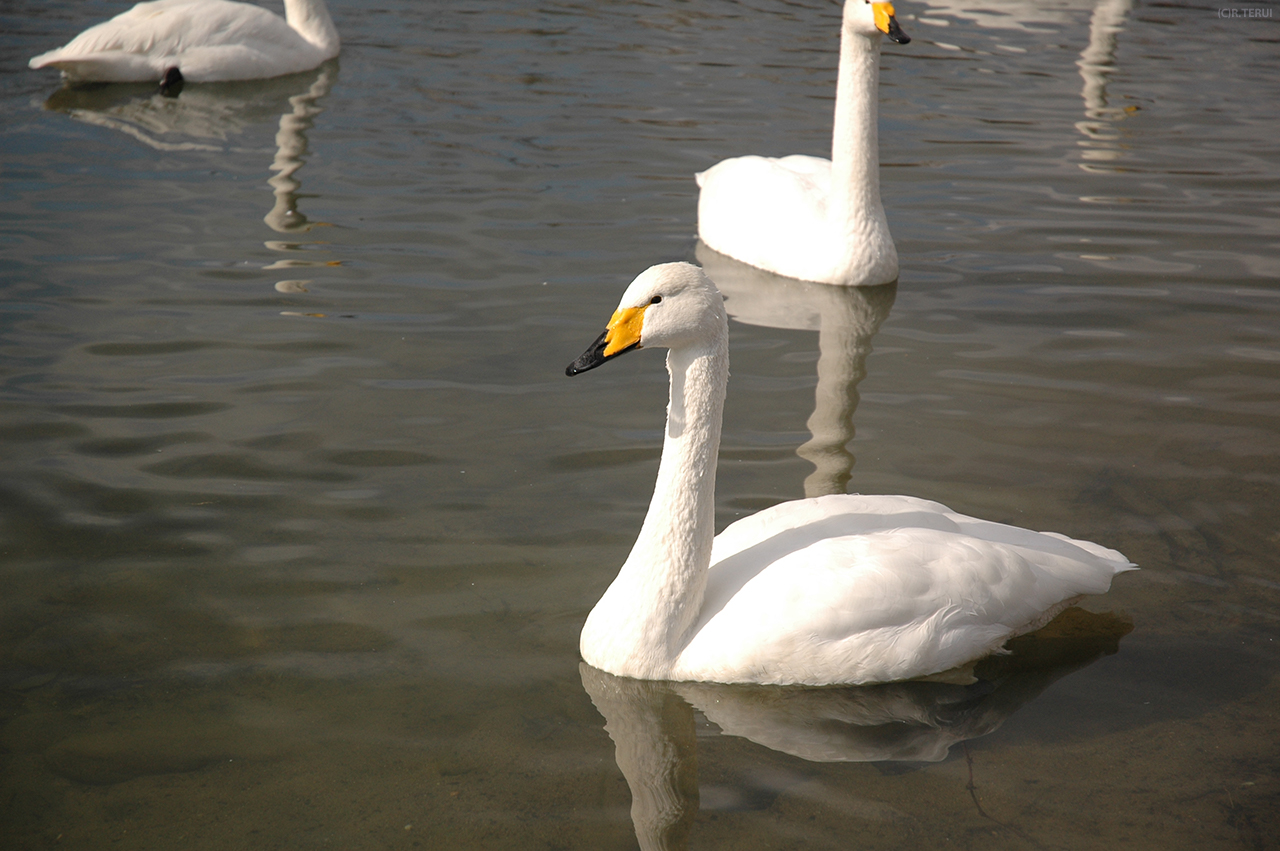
(620, 336)
(888, 24)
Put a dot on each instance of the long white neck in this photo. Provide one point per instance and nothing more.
(855, 209)
(642, 622)
(310, 19)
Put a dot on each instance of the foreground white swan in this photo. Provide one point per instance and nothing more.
(807, 217)
(204, 40)
(837, 589)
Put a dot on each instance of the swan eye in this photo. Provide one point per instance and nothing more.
(655, 299)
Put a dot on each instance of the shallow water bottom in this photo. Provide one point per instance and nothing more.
(283, 760)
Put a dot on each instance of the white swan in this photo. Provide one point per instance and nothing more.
(837, 589)
(204, 40)
(807, 217)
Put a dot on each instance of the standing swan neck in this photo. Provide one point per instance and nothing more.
(646, 615)
(855, 145)
(311, 20)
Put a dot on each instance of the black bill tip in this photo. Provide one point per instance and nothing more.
(590, 359)
(896, 34)
(594, 356)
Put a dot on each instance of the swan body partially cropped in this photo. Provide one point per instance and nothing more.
(204, 40)
(807, 217)
(840, 589)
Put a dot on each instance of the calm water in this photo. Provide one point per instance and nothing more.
(301, 517)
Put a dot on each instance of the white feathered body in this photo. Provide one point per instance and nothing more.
(206, 40)
(839, 589)
(856, 589)
(779, 214)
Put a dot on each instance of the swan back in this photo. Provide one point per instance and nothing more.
(206, 40)
(850, 588)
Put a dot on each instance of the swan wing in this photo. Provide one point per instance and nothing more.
(756, 209)
(152, 37)
(849, 589)
(797, 183)
(817, 168)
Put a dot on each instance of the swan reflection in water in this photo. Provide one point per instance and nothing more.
(652, 724)
(1096, 63)
(210, 117)
(845, 318)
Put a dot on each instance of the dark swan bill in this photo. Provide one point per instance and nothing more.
(596, 355)
(896, 34)
(591, 358)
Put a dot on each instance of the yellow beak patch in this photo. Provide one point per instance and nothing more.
(884, 14)
(624, 330)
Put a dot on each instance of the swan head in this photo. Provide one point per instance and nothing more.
(672, 305)
(871, 18)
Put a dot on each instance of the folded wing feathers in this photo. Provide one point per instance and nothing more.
(876, 585)
(168, 29)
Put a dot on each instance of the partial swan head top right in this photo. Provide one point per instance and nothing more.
(838, 589)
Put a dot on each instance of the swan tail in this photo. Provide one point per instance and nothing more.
(107, 67)
(1113, 558)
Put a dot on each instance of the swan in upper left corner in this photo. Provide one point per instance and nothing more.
(199, 41)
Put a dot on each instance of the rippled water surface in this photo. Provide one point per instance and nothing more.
(301, 517)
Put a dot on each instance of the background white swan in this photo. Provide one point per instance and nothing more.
(205, 40)
(837, 589)
(807, 217)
